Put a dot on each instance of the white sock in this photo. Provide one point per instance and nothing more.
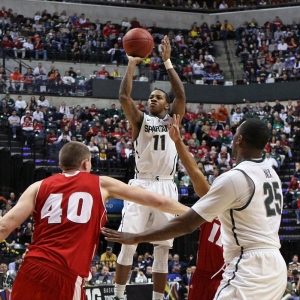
(157, 296)
(119, 290)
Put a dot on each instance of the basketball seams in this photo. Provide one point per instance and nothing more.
(138, 42)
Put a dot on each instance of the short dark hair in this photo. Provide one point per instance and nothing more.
(255, 132)
(72, 154)
(166, 95)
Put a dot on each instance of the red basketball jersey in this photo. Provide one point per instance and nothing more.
(210, 252)
(68, 215)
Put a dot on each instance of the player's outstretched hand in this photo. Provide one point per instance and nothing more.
(166, 49)
(119, 237)
(136, 60)
(174, 128)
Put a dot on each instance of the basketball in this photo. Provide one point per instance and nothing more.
(138, 42)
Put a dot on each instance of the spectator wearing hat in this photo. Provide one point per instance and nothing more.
(27, 115)
(103, 73)
(108, 259)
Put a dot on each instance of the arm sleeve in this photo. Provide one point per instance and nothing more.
(230, 190)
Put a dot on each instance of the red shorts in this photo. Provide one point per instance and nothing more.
(203, 287)
(40, 280)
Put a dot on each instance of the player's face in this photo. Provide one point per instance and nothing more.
(157, 102)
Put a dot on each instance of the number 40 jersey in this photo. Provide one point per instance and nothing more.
(155, 152)
(68, 215)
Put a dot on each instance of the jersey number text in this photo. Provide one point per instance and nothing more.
(162, 142)
(213, 235)
(271, 191)
(79, 208)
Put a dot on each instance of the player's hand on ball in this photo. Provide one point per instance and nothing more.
(174, 128)
(166, 49)
(119, 237)
(135, 60)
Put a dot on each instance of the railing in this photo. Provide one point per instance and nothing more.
(19, 62)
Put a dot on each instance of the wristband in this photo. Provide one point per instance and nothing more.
(168, 64)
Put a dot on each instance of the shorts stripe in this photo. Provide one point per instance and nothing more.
(77, 289)
(236, 269)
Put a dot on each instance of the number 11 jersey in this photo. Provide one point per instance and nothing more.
(69, 213)
(155, 152)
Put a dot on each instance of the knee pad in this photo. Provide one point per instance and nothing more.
(160, 263)
(125, 257)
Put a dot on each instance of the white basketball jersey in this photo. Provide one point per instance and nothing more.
(256, 224)
(155, 152)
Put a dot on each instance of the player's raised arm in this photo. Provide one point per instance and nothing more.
(134, 116)
(114, 188)
(200, 184)
(178, 106)
(179, 226)
(20, 212)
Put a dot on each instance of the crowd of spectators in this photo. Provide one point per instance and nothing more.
(38, 79)
(208, 136)
(269, 52)
(207, 133)
(60, 36)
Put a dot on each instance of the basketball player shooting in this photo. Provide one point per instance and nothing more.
(156, 157)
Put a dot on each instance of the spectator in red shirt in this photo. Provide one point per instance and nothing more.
(154, 71)
(214, 68)
(107, 32)
(205, 149)
(2, 12)
(117, 134)
(277, 22)
(7, 45)
(188, 73)
(27, 130)
(140, 106)
(103, 72)
(286, 145)
(135, 23)
(94, 111)
(185, 134)
(293, 187)
(51, 139)
(18, 47)
(39, 48)
(193, 148)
